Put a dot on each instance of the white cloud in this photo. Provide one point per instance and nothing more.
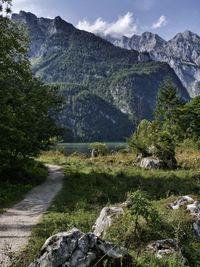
(162, 21)
(124, 25)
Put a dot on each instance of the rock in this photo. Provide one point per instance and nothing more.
(181, 201)
(163, 247)
(196, 227)
(152, 151)
(76, 249)
(106, 218)
(150, 163)
(170, 162)
(194, 209)
(94, 153)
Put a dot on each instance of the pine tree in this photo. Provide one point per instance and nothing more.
(169, 110)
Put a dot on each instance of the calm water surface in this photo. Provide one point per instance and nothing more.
(71, 148)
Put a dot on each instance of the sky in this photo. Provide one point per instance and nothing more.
(120, 17)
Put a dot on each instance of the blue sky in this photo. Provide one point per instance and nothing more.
(118, 17)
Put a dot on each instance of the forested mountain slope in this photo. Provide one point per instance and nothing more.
(116, 86)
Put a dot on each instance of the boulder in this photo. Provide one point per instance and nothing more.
(163, 247)
(196, 227)
(94, 153)
(194, 209)
(76, 249)
(106, 218)
(150, 163)
(181, 201)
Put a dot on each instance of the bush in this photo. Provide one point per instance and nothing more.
(144, 137)
(99, 149)
(142, 210)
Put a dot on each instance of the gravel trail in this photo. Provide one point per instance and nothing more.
(16, 224)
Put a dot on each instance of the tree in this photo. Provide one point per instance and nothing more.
(168, 115)
(165, 132)
(26, 104)
(141, 207)
(144, 137)
(98, 149)
(190, 122)
(168, 110)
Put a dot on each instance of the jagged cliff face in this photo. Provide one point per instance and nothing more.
(115, 85)
(182, 53)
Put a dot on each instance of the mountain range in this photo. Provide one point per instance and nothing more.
(182, 53)
(107, 89)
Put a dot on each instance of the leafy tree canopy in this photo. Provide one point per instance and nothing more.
(26, 104)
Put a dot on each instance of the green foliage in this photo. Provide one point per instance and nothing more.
(26, 104)
(141, 207)
(165, 149)
(144, 137)
(168, 110)
(100, 148)
(164, 133)
(191, 120)
(92, 118)
(147, 260)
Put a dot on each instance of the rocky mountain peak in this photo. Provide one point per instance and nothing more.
(182, 53)
(24, 17)
(43, 25)
(146, 42)
(186, 36)
(150, 35)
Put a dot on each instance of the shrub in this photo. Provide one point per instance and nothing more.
(142, 209)
(99, 148)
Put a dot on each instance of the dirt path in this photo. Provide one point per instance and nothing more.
(17, 222)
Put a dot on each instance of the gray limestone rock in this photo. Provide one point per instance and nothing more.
(182, 53)
(106, 218)
(181, 201)
(76, 249)
(150, 163)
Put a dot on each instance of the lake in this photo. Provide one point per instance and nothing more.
(83, 148)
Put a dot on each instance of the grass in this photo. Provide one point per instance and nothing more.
(90, 185)
(14, 187)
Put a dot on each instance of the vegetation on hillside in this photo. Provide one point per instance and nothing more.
(110, 78)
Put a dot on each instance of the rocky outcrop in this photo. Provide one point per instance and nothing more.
(106, 218)
(150, 163)
(193, 209)
(76, 249)
(163, 247)
(181, 201)
(196, 227)
(182, 53)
